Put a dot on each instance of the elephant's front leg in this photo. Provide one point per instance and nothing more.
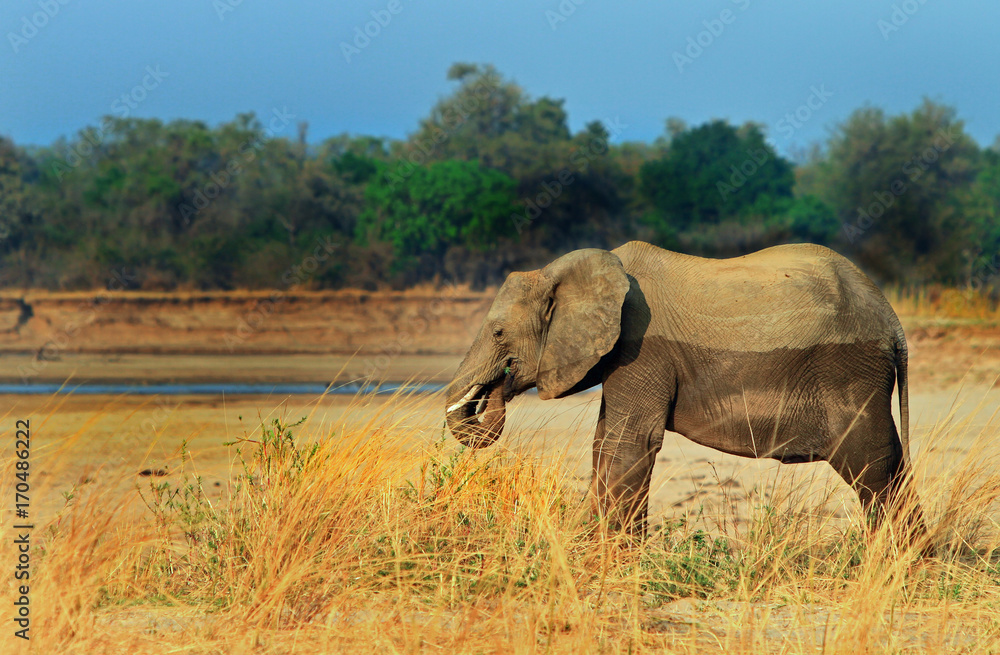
(625, 448)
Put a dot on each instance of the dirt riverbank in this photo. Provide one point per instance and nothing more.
(324, 337)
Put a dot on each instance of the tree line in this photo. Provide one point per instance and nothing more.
(491, 180)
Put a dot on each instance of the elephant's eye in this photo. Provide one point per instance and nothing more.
(497, 333)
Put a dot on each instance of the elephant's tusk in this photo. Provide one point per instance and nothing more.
(481, 406)
(466, 398)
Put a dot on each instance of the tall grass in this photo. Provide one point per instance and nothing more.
(377, 537)
(948, 304)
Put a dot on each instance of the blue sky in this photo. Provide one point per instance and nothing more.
(219, 57)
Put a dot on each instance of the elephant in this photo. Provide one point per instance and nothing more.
(789, 353)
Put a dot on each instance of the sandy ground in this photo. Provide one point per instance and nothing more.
(79, 439)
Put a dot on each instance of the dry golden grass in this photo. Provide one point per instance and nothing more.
(944, 303)
(357, 541)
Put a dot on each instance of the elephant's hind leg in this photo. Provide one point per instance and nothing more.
(873, 473)
(870, 459)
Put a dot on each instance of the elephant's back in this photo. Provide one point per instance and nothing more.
(792, 296)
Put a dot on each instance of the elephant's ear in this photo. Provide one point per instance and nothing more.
(583, 318)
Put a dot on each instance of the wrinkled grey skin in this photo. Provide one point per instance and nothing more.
(789, 353)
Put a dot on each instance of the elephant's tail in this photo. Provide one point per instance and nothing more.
(902, 385)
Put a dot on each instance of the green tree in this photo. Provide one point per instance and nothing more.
(484, 106)
(490, 119)
(433, 207)
(19, 216)
(709, 175)
(983, 211)
(898, 186)
(712, 172)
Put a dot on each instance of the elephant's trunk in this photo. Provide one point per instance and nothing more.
(477, 418)
(476, 412)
